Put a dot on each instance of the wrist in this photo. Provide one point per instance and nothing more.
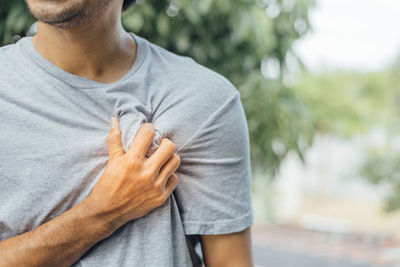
(103, 222)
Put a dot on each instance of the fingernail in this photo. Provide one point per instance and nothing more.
(113, 122)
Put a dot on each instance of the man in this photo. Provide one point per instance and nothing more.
(73, 192)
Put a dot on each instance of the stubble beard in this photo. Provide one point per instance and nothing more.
(72, 15)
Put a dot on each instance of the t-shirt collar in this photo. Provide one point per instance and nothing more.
(30, 51)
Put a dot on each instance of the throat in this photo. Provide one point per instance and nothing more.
(104, 58)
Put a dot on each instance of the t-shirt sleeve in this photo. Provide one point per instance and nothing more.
(214, 193)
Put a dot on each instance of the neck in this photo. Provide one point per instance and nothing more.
(100, 51)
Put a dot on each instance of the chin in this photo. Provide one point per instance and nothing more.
(60, 13)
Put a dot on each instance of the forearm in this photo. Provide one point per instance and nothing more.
(131, 186)
(228, 250)
(59, 242)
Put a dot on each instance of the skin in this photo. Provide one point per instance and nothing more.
(86, 38)
(230, 250)
(131, 186)
(91, 43)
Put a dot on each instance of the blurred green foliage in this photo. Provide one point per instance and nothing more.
(14, 20)
(233, 37)
(348, 103)
(382, 164)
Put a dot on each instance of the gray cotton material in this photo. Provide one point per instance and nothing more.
(53, 130)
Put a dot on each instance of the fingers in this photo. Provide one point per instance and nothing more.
(169, 168)
(164, 151)
(114, 142)
(142, 141)
(171, 184)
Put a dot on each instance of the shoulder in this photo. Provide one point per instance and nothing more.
(12, 57)
(6, 48)
(7, 52)
(12, 64)
(189, 97)
(190, 78)
(201, 112)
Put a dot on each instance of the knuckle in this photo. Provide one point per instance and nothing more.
(172, 145)
(152, 168)
(169, 144)
(160, 200)
(111, 137)
(158, 187)
(176, 179)
(163, 141)
(148, 129)
(177, 159)
(132, 161)
(147, 175)
(173, 180)
(175, 183)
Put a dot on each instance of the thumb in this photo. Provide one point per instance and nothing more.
(114, 142)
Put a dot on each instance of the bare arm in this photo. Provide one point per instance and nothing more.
(233, 250)
(131, 186)
(59, 242)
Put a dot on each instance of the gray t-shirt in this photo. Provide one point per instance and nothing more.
(53, 130)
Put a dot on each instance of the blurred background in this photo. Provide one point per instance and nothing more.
(319, 81)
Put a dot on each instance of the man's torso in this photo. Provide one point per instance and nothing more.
(53, 133)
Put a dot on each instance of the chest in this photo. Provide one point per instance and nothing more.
(53, 148)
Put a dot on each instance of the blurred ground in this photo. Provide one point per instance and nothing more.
(290, 246)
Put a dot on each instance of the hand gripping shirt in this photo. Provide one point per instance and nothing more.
(53, 130)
